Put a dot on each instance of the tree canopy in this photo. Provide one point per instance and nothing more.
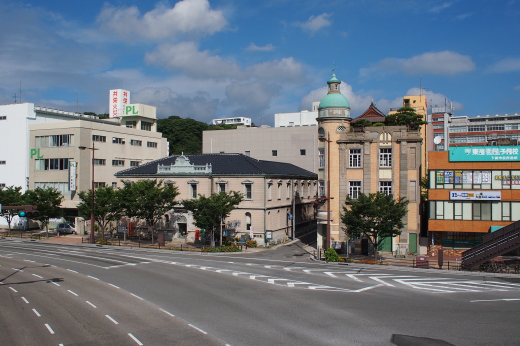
(10, 196)
(208, 212)
(405, 116)
(107, 206)
(47, 200)
(376, 216)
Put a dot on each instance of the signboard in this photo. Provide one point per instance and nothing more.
(72, 175)
(484, 154)
(118, 99)
(475, 195)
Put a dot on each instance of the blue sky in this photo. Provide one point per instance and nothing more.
(207, 59)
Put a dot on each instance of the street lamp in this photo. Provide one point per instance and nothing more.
(92, 196)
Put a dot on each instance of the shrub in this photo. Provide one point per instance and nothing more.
(230, 248)
(251, 243)
(103, 242)
(331, 255)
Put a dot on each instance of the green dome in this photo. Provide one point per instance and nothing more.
(334, 100)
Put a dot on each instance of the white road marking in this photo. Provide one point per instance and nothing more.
(111, 319)
(167, 313)
(36, 313)
(25, 300)
(71, 292)
(14, 290)
(70, 270)
(113, 285)
(55, 283)
(89, 303)
(49, 328)
(200, 330)
(38, 276)
(135, 339)
(494, 300)
(136, 296)
(366, 288)
(93, 277)
(17, 269)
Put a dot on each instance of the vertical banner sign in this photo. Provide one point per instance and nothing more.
(118, 99)
(72, 175)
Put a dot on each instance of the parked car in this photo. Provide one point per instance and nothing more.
(65, 228)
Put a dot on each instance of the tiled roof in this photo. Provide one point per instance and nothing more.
(373, 114)
(223, 164)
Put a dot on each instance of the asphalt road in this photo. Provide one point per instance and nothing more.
(56, 294)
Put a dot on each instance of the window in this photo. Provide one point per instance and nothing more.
(248, 153)
(248, 187)
(495, 127)
(354, 188)
(100, 162)
(146, 126)
(385, 157)
(3, 117)
(97, 138)
(114, 185)
(288, 190)
(476, 128)
(270, 191)
(61, 187)
(279, 190)
(385, 187)
(275, 152)
(118, 163)
(438, 126)
(302, 152)
(354, 158)
(51, 164)
(2, 184)
(151, 144)
(131, 124)
(136, 142)
(458, 129)
(2, 162)
(134, 163)
(54, 141)
(98, 184)
(321, 157)
(117, 140)
(193, 187)
(248, 221)
(321, 188)
(221, 187)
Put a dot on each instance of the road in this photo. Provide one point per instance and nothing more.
(56, 294)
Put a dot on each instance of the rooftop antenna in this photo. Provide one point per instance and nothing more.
(77, 102)
(14, 97)
(20, 91)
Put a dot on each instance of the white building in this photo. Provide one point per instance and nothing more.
(232, 121)
(302, 118)
(40, 147)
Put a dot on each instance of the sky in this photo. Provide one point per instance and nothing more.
(206, 59)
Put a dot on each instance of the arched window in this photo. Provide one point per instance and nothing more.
(248, 221)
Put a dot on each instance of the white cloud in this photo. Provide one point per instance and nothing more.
(284, 70)
(441, 7)
(201, 106)
(505, 65)
(186, 17)
(186, 57)
(254, 48)
(315, 23)
(436, 63)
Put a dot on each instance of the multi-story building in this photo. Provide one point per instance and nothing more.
(296, 145)
(302, 118)
(278, 197)
(473, 191)
(383, 159)
(232, 121)
(42, 147)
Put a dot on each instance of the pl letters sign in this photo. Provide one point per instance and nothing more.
(475, 195)
(485, 154)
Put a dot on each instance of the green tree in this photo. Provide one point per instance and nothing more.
(10, 196)
(48, 201)
(147, 200)
(362, 123)
(405, 116)
(209, 212)
(107, 206)
(183, 135)
(376, 216)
